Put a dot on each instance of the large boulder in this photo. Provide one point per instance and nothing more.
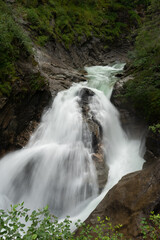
(93, 128)
(133, 197)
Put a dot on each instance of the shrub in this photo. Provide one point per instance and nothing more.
(151, 227)
(155, 128)
(43, 225)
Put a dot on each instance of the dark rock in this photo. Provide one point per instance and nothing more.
(133, 197)
(133, 124)
(94, 128)
(85, 95)
(119, 75)
(153, 143)
(152, 148)
(16, 116)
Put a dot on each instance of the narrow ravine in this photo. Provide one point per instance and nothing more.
(56, 166)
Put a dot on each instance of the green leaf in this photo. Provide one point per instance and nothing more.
(46, 207)
(34, 236)
(26, 218)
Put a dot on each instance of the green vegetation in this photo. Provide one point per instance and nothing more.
(43, 225)
(155, 128)
(14, 44)
(71, 21)
(151, 227)
(144, 90)
(20, 223)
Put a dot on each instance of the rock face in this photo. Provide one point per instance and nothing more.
(134, 197)
(59, 74)
(133, 124)
(153, 148)
(19, 118)
(90, 51)
(93, 128)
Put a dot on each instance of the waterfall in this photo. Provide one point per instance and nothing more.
(56, 166)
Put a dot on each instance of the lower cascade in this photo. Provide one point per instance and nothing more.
(78, 152)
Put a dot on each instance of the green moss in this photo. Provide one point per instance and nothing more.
(144, 90)
(36, 81)
(5, 88)
(42, 40)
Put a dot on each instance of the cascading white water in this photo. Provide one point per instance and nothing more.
(56, 166)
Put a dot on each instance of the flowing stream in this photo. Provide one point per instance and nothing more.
(56, 167)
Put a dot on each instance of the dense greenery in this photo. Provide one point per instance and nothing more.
(71, 21)
(14, 44)
(144, 90)
(20, 223)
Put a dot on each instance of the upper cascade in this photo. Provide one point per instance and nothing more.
(78, 151)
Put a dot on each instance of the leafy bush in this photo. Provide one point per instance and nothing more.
(155, 128)
(151, 227)
(43, 225)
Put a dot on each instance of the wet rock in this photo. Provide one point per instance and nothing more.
(59, 74)
(133, 124)
(133, 197)
(16, 118)
(94, 129)
(85, 96)
(152, 148)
